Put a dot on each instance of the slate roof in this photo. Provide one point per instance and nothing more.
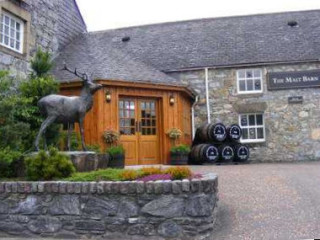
(88, 54)
(215, 42)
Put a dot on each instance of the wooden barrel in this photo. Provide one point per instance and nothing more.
(210, 133)
(242, 153)
(234, 132)
(226, 153)
(218, 132)
(203, 153)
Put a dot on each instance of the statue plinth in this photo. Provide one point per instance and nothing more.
(88, 161)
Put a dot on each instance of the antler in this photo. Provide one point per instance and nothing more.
(83, 76)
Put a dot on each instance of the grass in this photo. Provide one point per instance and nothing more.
(109, 174)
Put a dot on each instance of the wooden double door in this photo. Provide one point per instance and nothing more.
(139, 130)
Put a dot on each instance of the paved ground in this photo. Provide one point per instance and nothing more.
(267, 201)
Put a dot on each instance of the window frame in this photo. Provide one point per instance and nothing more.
(22, 28)
(256, 140)
(246, 79)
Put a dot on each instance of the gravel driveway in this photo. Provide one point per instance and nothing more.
(267, 201)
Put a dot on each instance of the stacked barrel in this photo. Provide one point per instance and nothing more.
(217, 143)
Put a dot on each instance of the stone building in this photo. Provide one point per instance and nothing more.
(260, 71)
(29, 24)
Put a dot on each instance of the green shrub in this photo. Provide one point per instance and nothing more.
(179, 173)
(129, 174)
(112, 174)
(74, 141)
(115, 150)
(41, 64)
(146, 171)
(109, 174)
(20, 118)
(39, 84)
(94, 148)
(15, 134)
(48, 166)
(7, 159)
(180, 149)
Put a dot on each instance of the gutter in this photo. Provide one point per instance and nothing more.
(242, 65)
(207, 94)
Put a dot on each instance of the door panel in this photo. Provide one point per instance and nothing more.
(148, 140)
(127, 128)
(138, 125)
(131, 152)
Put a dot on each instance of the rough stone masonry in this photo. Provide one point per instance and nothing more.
(113, 210)
(292, 130)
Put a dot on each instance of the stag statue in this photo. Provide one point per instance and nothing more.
(68, 110)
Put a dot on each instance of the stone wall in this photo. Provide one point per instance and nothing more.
(292, 130)
(53, 25)
(109, 210)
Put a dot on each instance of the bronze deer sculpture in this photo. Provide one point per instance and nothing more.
(68, 110)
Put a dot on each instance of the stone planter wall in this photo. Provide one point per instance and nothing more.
(109, 210)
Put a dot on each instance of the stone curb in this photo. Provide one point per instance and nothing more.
(208, 183)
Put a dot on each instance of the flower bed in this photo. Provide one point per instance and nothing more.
(162, 209)
(143, 174)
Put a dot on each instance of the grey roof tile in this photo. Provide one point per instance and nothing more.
(95, 56)
(198, 43)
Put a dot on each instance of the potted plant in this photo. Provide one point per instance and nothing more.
(116, 152)
(174, 134)
(111, 137)
(117, 156)
(179, 154)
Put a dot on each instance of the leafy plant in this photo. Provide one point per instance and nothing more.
(74, 140)
(129, 174)
(109, 174)
(179, 173)
(41, 63)
(110, 136)
(7, 159)
(150, 171)
(14, 133)
(94, 148)
(174, 133)
(48, 166)
(116, 150)
(182, 148)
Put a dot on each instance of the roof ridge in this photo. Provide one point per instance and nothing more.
(201, 19)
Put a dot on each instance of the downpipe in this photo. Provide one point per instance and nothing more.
(207, 94)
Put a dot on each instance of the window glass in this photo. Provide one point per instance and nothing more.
(249, 80)
(253, 129)
(127, 119)
(242, 85)
(242, 73)
(11, 32)
(251, 120)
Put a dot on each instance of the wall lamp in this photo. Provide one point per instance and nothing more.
(108, 96)
(171, 100)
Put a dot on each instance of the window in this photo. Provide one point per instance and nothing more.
(11, 32)
(253, 129)
(127, 117)
(249, 80)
